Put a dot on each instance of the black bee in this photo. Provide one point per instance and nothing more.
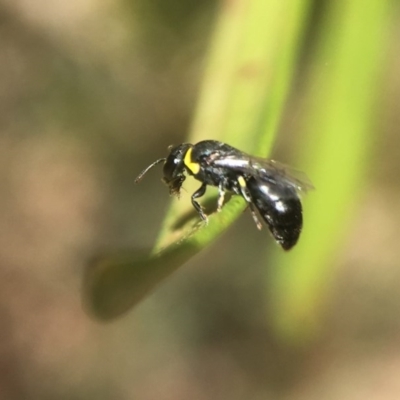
(266, 185)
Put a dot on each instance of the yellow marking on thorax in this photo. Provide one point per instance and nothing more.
(193, 167)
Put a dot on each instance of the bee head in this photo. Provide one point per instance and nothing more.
(174, 168)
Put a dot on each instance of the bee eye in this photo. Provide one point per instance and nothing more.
(169, 169)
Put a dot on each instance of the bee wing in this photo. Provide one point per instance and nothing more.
(274, 170)
(269, 170)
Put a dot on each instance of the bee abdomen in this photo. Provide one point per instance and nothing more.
(280, 207)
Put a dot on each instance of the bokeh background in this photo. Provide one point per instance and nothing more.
(91, 92)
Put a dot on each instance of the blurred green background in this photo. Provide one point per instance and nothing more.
(90, 93)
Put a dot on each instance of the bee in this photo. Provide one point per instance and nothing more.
(268, 187)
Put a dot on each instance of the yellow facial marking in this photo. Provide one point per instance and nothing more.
(193, 167)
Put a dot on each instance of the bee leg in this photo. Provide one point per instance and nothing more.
(221, 196)
(254, 215)
(198, 193)
(246, 195)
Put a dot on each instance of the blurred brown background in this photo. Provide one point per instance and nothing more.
(90, 93)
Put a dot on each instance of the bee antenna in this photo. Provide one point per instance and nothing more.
(140, 176)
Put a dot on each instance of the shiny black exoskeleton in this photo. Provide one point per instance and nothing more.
(265, 184)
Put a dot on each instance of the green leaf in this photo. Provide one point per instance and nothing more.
(250, 65)
(343, 104)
